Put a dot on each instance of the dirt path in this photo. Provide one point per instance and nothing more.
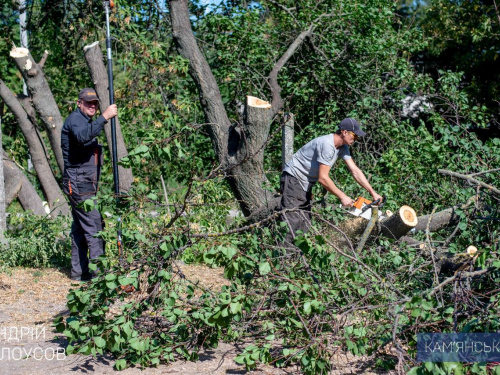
(31, 298)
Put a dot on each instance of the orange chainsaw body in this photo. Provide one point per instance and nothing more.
(360, 202)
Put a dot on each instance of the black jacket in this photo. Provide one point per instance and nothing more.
(78, 140)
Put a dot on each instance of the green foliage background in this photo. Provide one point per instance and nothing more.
(364, 59)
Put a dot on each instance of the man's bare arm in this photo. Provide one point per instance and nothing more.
(360, 178)
(325, 180)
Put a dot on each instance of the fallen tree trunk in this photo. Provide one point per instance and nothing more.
(99, 74)
(441, 219)
(21, 188)
(394, 226)
(448, 263)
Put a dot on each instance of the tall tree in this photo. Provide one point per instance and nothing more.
(3, 217)
(324, 56)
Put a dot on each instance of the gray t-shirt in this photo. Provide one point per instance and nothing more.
(304, 164)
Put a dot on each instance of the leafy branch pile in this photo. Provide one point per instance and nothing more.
(300, 306)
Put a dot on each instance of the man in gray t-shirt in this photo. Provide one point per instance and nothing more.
(313, 163)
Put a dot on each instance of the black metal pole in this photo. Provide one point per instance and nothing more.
(113, 124)
(112, 101)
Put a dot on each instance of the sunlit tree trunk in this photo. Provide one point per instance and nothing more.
(3, 217)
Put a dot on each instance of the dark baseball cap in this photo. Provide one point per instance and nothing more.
(351, 125)
(88, 94)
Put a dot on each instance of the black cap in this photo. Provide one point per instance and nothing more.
(351, 125)
(88, 95)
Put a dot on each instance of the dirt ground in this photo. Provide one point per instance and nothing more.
(31, 298)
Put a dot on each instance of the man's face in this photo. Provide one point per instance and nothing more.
(349, 137)
(88, 108)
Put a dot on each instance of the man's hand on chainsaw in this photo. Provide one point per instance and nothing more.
(346, 201)
(377, 197)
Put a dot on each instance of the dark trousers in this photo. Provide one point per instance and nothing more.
(79, 185)
(293, 196)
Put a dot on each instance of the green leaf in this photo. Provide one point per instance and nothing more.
(307, 307)
(121, 364)
(264, 268)
(100, 342)
(235, 307)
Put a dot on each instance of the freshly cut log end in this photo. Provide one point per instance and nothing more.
(252, 101)
(17, 52)
(472, 250)
(90, 46)
(400, 223)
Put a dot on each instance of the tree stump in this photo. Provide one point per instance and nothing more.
(400, 223)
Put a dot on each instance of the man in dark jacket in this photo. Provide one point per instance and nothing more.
(82, 156)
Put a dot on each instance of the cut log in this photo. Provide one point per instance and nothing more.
(395, 226)
(252, 101)
(449, 263)
(399, 223)
(443, 218)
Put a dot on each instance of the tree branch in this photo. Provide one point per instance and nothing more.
(43, 59)
(277, 102)
(470, 179)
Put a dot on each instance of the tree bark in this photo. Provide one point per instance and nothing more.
(3, 214)
(239, 150)
(210, 96)
(99, 74)
(54, 195)
(247, 160)
(437, 221)
(23, 188)
(42, 98)
(287, 135)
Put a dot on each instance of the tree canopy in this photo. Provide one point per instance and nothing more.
(423, 81)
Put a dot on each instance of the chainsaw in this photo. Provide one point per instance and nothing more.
(362, 207)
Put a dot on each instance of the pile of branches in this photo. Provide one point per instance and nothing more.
(302, 304)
